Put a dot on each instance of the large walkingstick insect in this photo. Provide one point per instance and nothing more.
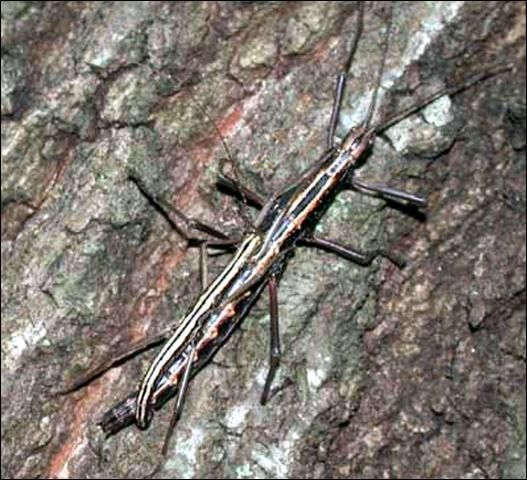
(287, 220)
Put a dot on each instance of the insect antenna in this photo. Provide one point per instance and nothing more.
(371, 108)
(242, 211)
(453, 90)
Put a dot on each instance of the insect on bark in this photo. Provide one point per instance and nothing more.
(287, 219)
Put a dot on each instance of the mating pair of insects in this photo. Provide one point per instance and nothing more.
(287, 219)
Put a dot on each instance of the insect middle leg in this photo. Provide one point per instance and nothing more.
(387, 193)
(354, 255)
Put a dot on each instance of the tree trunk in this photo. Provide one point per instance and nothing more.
(418, 372)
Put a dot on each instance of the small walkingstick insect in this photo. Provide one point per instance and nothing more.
(286, 220)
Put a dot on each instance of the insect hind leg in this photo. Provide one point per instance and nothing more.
(117, 359)
(234, 188)
(275, 352)
(180, 400)
(175, 217)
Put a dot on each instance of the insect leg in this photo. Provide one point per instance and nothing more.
(117, 359)
(356, 256)
(388, 193)
(241, 192)
(275, 354)
(184, 383)
(226, 245)
(175, 217)
(182, 390)
(235, 188)
(203, 265)
(341, 80)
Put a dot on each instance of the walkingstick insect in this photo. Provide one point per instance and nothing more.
(287, 220)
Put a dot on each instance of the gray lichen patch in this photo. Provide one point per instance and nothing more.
(423, 137)
(108, 49)
(176, 35)
(308, 21)
(12, 82)
(260, 53)
(130, 99)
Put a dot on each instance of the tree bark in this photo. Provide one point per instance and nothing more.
(418, 372)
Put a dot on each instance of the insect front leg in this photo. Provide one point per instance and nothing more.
(387, 193)
(341, 80)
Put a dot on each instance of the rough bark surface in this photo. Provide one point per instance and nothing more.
(406, 373)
